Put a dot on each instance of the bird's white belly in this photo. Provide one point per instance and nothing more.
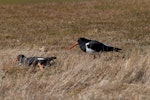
(89, 50)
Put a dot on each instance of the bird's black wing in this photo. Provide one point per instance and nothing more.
(30, 60)
(95, 45)
(98, 46)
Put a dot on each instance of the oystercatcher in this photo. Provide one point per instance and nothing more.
(93, 46)
(34, 61)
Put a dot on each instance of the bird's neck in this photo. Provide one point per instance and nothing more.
(83, 47)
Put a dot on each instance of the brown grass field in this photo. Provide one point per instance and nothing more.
(56, 24)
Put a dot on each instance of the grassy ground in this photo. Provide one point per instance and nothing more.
(27, 26)
(35, 1)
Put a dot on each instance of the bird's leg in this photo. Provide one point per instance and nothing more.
(41, 66)
(99, 53)
(94, 56)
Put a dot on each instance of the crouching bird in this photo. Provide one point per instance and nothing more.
(41, 62)
(93, 46)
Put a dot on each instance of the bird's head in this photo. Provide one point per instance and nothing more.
(19, 57)
(79, 41)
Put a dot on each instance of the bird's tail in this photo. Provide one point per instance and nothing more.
(117, 49)
(107, 49)
(51, 58)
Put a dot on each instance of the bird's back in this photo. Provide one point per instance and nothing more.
(98, 46)
(95, 45)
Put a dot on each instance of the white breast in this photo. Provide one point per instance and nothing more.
(89, 50)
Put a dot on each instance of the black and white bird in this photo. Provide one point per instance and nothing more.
(41, 62)
(93, 46)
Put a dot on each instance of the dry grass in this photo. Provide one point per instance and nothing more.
(24, 28)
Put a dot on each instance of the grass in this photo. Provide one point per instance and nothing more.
(27, 26)
(34, 1)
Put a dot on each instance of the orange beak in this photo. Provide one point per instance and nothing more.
(16, 59)
(73, 46)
